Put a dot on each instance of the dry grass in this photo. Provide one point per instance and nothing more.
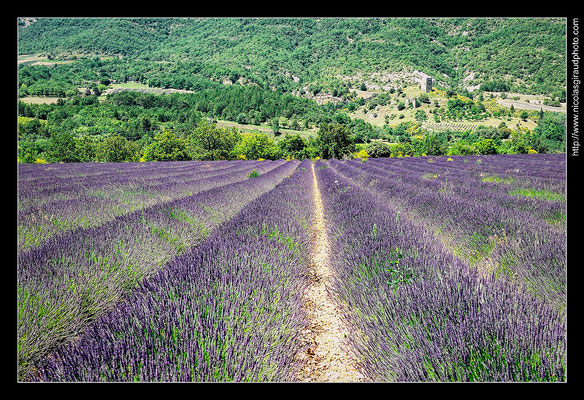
(39, 100)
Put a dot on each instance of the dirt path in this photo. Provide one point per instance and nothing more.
(522, 105)
(325, 357)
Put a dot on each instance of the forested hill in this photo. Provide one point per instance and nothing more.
(526, 54)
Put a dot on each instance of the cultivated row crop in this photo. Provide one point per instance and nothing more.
(227, 310)
(444, 269)
(483, 212)
(448, 126)
(52, 200)
(419, 312)
(75, 275)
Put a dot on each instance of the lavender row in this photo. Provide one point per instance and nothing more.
(72, 278)
(418, 313)
(496, 238)
(537, 167)
(96, 180)
(456, 174)
(229, 310)
(52, 180)
(453, 184)
(94, 203)
(490, 184)
(75, 172)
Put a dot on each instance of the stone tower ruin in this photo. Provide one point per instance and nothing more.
(426, 84)
(425, 81)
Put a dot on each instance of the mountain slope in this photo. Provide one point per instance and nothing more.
(290, 53)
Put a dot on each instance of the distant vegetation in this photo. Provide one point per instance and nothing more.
(527, 54)
(267, 72)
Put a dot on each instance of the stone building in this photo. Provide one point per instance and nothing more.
(426, 84)
(410, 101)
(425, 81)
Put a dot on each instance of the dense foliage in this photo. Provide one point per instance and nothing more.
(272, 51)
(130, 126)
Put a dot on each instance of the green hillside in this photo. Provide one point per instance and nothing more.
(526, 53)
(112, 89)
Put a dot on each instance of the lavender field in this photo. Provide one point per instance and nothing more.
(443, 268)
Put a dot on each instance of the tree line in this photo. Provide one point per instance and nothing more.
(207, 141)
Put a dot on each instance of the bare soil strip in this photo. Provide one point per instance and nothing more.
(325, 357)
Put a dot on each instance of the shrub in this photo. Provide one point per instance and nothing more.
(166, 147)
(362, 154)
(486, 146)
(378, 149)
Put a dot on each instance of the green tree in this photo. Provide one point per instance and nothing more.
(275, 124)
(294, 124)
(256, 145)
(62, 147)
(430, 145)
(462, 148)
(402, 149)
(166, 147)
(113, 148)
(488, 132)
(420, 115)
(486, 146)
(29, 151)
(537, 142)
(31, 128)
(552, 128)
(335, 141)
(209, 142)
(85, 147)
(294, 146)
(519, 143)
(241, 118)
